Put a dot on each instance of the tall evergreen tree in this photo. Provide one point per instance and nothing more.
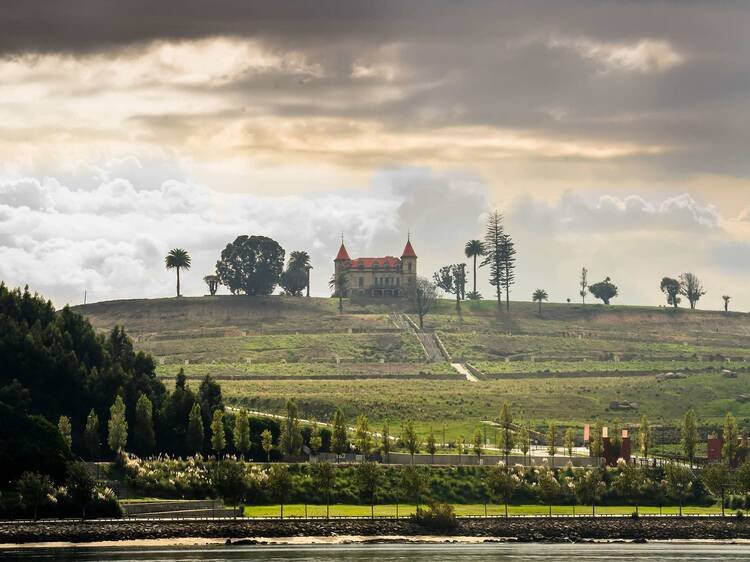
(218, 437)
(242, 433)
(290, 440)
(689, 435)
(493, 242)
(66, 430)
(506, 423)
(91, 435)
(645, 438)
(194, 436)
(144, 440)
(266, 441)
(339, 441)
(508, 258)
(731, 439)
(385, 441)
(117, 426)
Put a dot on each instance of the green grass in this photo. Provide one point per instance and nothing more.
(332, 370)
(290, 348)
(483, 346)
(461, 405)
(257, 339)
(593, 367)
(389, 510)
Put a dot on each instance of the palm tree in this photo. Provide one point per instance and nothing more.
(726, 302)
(338, 285)
(539, 296)
(473, 249)
(299, 259)
(177, 258)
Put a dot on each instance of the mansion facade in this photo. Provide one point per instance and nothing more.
(387, 276)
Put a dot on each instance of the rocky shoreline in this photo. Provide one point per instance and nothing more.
(521, 529)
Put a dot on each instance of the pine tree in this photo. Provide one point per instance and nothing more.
(118, 426)
(144, 440)
(493, 241)
(91, 435)
(551, 439)
(508, 258)
(194, 437)
(242, 433)
(66, 430)
(218, 438)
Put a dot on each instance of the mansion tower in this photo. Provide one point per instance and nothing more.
(378, 277)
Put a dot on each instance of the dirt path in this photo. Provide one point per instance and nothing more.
(461, 369)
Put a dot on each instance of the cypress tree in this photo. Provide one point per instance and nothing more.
(66, 430)
(242, 433)
(117, 426)
(144, 440)
(91, 435)
(339, 442)
(194, 438)
(218, 439)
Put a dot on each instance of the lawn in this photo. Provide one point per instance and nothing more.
(389, 510)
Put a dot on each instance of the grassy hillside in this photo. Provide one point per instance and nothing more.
(567, 364)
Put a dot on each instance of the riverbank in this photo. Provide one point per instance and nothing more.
(520, 529)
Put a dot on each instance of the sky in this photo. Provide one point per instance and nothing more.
(611, 135)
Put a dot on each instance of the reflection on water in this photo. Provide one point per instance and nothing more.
(406, 552)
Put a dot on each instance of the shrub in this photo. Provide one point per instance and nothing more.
(436, 516)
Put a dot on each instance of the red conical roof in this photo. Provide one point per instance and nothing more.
(408, 251)
(343, 254)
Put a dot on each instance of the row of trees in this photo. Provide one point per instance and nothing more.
(253, 265)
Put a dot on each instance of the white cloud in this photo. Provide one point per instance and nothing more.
(645, 55)
(110, 239)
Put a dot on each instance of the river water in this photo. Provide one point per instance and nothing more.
(527, 552)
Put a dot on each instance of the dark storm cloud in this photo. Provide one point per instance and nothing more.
(671, 75)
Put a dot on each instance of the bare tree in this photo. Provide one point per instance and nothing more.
(425, 297)
(691, 288)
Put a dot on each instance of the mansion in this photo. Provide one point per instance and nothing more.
(378, 277)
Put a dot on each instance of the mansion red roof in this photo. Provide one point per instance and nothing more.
(343, 254)
(387, 261)
(408, 251)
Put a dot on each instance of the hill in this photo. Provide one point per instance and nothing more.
(571, 363)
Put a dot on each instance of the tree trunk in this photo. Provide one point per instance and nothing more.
(421, 324)
(540, 308)
(475, 275)
(308, 283)
(178, 281)
(282, 510)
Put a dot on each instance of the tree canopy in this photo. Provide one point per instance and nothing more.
(251, 265)
(604, 290)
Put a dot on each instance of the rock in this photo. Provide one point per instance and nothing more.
(728, 374)
(624, 405)
(670, 376)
